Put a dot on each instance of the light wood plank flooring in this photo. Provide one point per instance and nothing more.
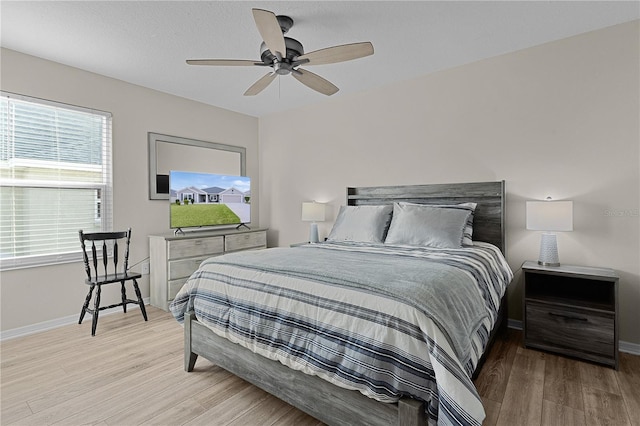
(520, 386)
(131, 373)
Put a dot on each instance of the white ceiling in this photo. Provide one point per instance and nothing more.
(147, 42)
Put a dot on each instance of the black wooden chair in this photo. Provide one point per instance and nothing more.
(100, 271)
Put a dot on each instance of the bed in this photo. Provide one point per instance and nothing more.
(384, 323)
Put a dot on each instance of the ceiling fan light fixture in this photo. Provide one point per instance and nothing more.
(282, 68)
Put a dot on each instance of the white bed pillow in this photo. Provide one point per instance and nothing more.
(428, 225)
(367, 224)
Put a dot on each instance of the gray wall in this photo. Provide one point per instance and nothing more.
(560, 119)
(35, 295)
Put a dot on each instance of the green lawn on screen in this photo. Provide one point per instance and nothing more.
(184, 216)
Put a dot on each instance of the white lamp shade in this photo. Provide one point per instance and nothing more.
(313, 212)
(550, 215)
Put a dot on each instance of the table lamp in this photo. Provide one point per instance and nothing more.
(549, 216)
(313, 212)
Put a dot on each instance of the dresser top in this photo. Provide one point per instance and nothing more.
(204, 234)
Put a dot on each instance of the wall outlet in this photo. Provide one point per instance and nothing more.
(145, 268)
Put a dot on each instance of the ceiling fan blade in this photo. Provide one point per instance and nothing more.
(344, 52)
(315, 82)
(270, 30)
(260, 85)
(224, 62)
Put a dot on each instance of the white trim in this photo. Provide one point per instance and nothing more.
(59, 322)
(55, 104)
(515, 324)
(627, 347)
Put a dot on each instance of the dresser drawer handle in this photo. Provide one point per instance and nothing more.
(568, 317)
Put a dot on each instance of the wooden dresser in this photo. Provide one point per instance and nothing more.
(572, 310)
(173, 258)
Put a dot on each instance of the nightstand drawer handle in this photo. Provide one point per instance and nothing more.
(568, 317)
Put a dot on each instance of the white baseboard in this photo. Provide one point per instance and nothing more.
(628, 347)
(55, 323)
(515, 324)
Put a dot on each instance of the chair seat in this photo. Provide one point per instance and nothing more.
(113, 278)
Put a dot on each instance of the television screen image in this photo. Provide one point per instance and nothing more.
(206, 199)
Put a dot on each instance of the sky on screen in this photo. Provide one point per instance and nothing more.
(181, 180)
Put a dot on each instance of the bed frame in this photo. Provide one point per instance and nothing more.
(326, 402)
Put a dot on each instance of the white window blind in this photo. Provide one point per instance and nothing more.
(55, 178)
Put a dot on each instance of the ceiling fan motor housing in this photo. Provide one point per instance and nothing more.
(294, 49)
(285, 23)
(293, 46)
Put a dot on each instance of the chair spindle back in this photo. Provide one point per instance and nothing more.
(106, 238)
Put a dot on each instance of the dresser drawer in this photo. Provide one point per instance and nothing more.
(183, 268)
(570, 328)
(245, 241)
(195, 247)
(174, 287)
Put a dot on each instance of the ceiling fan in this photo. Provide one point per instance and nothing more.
(285, 55)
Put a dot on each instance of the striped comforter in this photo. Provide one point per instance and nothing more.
(388, 321)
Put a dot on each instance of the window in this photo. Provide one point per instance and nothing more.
(55, 178)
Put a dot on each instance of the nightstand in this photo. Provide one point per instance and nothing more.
(572, 310)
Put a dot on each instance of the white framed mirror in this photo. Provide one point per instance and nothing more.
(168, 153)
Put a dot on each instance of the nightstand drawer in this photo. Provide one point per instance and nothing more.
(569, 329)
(245, 241)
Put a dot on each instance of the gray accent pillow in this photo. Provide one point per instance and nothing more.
(367, 224)
(424, 225)
(468, 229)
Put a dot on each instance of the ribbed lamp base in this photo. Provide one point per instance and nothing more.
(548, 251)
(313, 233)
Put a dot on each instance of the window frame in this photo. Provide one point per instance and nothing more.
(104, 198)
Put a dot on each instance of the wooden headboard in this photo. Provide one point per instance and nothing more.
(488, 221)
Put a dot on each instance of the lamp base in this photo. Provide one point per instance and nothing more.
(548, 250)
(313, 233)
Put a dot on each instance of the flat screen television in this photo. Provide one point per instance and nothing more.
(206, 199)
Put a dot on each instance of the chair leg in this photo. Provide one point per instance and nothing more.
(140, 302)
(96, 311)
(123, 294)
(86, 304)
